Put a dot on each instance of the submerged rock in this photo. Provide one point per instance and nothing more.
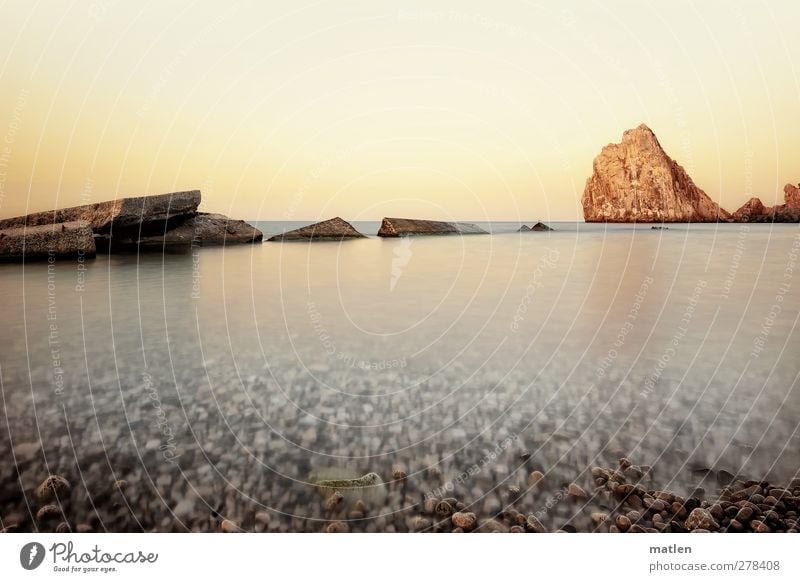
(394, 227)
(540, 226)
(70, 239)
(333, 229)
(524, 228)
(636, 181)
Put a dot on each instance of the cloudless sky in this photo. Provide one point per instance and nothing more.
(452, 109)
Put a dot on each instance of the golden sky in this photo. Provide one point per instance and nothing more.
(453, 109)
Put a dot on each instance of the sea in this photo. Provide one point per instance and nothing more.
(176, 389)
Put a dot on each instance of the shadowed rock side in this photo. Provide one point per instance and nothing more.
(754, 210)
(636, 181)
(69, 239)
(524, 228)
(327, 230)
(393, 227)
(204, 230)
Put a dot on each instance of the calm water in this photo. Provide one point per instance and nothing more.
(223, 380)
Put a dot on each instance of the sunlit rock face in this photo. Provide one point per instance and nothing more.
(636, 181)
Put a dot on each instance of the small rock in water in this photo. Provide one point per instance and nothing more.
(701, 518)
(465, 520)
(229, 526)
(576, 492)
(399, 473)
(53, 486)
(535, 478)
(532, 524)
(599, 517)
(48, 512)
(334, 501)
(623, 523)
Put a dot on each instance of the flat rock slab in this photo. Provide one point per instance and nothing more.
(333, 229)
(121, 213)
(70, 239)
(393, 227)
(204, 230)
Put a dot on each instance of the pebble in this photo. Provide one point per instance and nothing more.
(759, 526)
(533, 524)
(55, 486)
(623, 522)
(336, 527)
(228, 526)
(599, 517)
(48, 512)
(465, 520)
(701, 518)
(535, 478)
(576, 492)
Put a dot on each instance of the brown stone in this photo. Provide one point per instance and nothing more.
(636, 181)
(701, 518)
(327, 230)
(465, 520)
(394, 227)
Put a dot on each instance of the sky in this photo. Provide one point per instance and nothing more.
(303, 110)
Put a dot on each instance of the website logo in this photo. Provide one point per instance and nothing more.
(31, 555)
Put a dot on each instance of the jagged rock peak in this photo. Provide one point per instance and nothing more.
(636, 181)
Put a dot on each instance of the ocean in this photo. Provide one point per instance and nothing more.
(222, 382)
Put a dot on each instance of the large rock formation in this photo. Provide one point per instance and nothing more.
(68, 239)
(125, 224)
(636, 181)
(333, 229)
(393, 227)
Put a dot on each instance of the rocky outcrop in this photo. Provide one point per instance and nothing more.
(126, 224)
(636, 181)
(119, 214)
(538, 227)
(69, 239)
(791, 195)
(754, 210)
(394, 227)
(327, 230)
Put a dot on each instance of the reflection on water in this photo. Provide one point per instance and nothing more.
(220, 381)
